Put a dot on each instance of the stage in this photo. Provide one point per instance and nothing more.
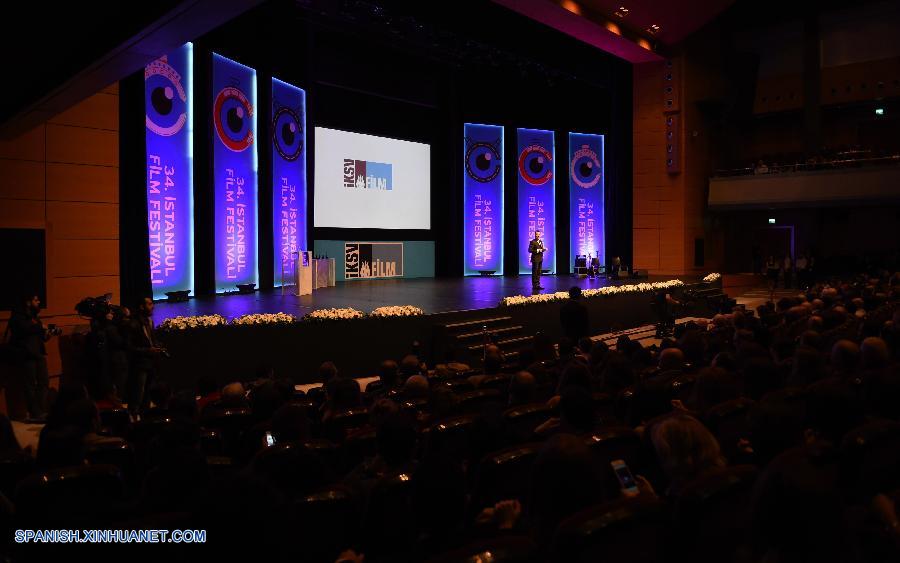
(433, 295)
(357, 346)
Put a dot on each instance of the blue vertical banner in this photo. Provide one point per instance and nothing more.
(288, 176)
(483, 199)
(234, 173)
(537, 192)
(168, 101)
(586, 185)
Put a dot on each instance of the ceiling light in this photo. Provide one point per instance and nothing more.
(622, 11)
(653, 29)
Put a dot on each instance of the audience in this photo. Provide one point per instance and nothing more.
(777, 417)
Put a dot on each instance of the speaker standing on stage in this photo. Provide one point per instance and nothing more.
(536, 249)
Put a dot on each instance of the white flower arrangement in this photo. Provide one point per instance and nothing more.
(334, 314)
(588, 293)
(397, 311)
(712, 277)
(264, 319)
(199, 321)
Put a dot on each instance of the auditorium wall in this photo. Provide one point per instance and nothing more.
(63, 177)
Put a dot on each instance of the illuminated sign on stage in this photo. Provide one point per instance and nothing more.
(365, 260)
(168, 101)
(586, 185)
(537, 192)
(234, 173)
(483, 198)
(288, 176)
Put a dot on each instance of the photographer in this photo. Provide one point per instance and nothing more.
(143, 355)
(27, 338)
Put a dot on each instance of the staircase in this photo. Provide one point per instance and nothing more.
(707, 300)
(465, 340)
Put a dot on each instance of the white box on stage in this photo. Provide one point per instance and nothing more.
(304, 271)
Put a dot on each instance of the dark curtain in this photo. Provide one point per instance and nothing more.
(134, 252)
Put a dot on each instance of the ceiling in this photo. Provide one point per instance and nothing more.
(676, 18)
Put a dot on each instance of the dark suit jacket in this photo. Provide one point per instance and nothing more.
(573, 316)
(533, 247)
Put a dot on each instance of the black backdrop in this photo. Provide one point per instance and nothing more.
(396, 70)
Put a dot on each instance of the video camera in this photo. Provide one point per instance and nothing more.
(96, 308)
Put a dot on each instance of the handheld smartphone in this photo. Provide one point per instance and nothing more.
(626, 479)
(270, 440)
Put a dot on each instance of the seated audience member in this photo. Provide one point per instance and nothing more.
(290, 423)
(340, 395)
(207, 391)
(159, 394)
(807, 368)
(388, 376)
(416, 387)
(874, 354)
(395, 439)
(576, 413)
(9, 444)
(844, 359)
(686, 451)
(234, 396)
(565, 478)
(713, 386)
(522, 389)
(760, 377)
(409, 366)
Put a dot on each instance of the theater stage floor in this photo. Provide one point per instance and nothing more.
(433, 295)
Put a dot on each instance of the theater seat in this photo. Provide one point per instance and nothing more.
(389, 522)
(634, 529)
(13, 468)
(115, 422)
(71, 496)
(358, 445)
(325, 522)
(728, 423)
(871, 459)
(523, 419)
(474, 401)
(711, 513)
(504, 474)
(508, 549)
(230, 423)
(117, 452)
(609, 444)
(450, 435)
(344, 422)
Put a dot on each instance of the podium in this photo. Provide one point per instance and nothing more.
(303, 269)
(323, 272)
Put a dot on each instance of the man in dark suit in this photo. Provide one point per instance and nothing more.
(573, 316)
(536, 249)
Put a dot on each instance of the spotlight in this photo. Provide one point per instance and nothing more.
(771, 220)
(622, 11)
(879, 111)
(653, 29)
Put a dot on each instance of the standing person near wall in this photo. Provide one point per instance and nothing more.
(27, 340)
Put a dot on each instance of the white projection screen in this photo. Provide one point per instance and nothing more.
(368, 182)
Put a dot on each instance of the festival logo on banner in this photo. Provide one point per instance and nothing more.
(364, 260)
(234, 153)
(288, 176)
(168, 98)
(586, 179)
(537, 195)
(483, 199)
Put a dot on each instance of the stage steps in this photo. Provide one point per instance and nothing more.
(465, 341)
